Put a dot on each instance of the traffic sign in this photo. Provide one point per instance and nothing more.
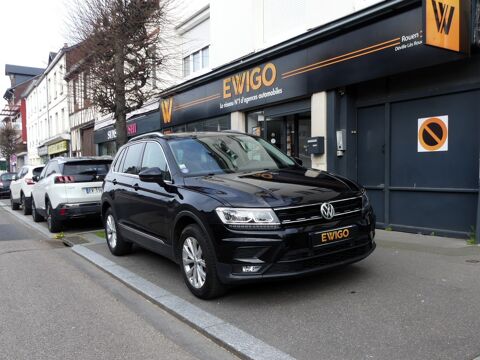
(433, 134)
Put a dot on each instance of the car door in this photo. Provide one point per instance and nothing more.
(152, 199)
(124, 195)
(41, 187)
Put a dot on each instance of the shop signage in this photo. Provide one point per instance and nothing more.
(389, 46)
(42, 151)
(57, 148)
(433, 134)
(447, 23)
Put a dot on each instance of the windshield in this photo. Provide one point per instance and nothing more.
(226, 154)
(7, 176)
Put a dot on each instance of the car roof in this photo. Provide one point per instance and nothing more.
(63, 160)
(183, 135)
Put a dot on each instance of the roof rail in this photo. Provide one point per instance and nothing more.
(155, 134)
(234, 131)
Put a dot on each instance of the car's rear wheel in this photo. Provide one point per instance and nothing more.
(53, 222)
(198, 264)
(117, 245)
(35, 215)
(27, 210)
(13, 204)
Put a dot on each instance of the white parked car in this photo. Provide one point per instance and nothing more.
(21, 188)
(69, 188)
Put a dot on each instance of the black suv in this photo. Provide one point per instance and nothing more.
(232, 208)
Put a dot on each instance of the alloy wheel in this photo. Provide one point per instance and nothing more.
(111, 231)
(193, 262)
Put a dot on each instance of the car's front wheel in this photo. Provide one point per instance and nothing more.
(117, 245)
(27, 210)
(53, 222)
(13, 204)
(35, 215)
(198, 264)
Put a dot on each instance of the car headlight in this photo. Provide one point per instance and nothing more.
(248, 218)
(365, 200)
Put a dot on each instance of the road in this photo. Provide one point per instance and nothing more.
(55, 305)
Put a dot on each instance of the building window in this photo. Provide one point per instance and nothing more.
(61, 79)
(186, 66)
(196, 61)
(55, 84)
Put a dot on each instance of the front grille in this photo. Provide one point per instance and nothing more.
(321, 261)
(344, 208)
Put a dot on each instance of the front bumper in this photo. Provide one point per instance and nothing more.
(77, 210)
(290, 251)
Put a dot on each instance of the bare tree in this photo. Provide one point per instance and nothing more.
(8, 141)
(125, 45)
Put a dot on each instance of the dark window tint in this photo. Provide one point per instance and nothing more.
(131, 164)
(7, 177)
(37, 171)
(153, 157)
(118, 161)
(86, 168)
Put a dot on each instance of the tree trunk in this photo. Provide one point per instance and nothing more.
(120, 102)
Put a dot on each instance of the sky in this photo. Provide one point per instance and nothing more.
(29, 30)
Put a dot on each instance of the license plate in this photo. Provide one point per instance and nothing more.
(323, 237)
(93, 190)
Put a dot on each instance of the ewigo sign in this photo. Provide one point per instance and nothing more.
(388, 46)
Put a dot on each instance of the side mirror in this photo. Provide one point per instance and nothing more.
(35, 178)
(298, 160)
(154, 175)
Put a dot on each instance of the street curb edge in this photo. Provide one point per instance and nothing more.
(226, 335)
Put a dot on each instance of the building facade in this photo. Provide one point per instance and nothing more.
(48, 121)
(384, 92)
(15, 112)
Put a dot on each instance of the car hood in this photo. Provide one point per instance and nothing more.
(278, 188)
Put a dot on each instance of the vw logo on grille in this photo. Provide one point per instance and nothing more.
(327, 210)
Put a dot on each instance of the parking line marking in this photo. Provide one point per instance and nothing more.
(225, 334)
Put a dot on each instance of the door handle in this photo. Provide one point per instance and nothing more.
(114, 181)
(136, 187)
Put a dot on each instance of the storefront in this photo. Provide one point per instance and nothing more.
(59, 148)
(368, 89)
(105, 137)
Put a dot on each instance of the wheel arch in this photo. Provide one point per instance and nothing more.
(182, 220)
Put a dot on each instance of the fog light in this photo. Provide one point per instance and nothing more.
(251, 268)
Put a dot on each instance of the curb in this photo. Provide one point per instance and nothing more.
(226, 335)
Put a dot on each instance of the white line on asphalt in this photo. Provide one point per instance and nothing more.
(227, 335)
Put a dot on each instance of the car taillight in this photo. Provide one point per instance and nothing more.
(29, 181)
(64, 179)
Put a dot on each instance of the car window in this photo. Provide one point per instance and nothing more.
(131, 164)
(118, 161)
(153, 156)
(37, 171)
(7, 176)
(86, 168)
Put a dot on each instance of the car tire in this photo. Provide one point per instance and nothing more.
(35, 215)
(53, 222)
(13, 204)
(27, 210)
(117, 245)
(198, 263)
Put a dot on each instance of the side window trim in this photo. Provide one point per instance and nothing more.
(164, 158)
